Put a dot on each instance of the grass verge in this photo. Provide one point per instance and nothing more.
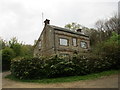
(67, 79)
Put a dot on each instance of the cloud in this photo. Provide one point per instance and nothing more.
(18, 21)
(23, 18)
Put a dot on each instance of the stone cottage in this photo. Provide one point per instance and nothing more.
(60, 41)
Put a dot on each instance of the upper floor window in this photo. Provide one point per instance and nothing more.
(83, 44)
(64, 41)
(74, 41)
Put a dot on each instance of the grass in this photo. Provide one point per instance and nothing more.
(68, 79)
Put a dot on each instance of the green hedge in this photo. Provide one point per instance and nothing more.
(33, 68)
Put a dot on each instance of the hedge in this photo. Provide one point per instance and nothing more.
(27, 68)
(34, 68)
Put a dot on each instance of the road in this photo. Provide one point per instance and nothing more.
(103, 82)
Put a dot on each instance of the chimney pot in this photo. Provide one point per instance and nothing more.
(47, 22)
(79, 30)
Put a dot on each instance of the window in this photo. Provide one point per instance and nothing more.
(64, 42)
(83, 44)
(74, 41)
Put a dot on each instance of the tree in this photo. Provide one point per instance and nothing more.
(3, 44)
(35, 42)
(92, 33)
(73, 26)
(27, 50)
(16, 46)
(13, 49)
(108, 26)
(100, 25)
(102, 32)
(112, 24)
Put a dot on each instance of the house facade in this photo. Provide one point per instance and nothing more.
(60, 41)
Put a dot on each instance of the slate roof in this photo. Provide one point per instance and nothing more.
(66, 30)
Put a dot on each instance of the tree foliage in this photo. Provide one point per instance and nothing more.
(13, 44)
(73, 26)
(27, 50)
(12, 49)
(7, 55)
(102, 32)
(109, 25)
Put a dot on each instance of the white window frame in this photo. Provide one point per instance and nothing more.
(63, 43)
(74, 41)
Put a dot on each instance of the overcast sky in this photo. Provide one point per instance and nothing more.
(23, 18)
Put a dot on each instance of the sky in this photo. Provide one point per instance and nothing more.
(23, 18)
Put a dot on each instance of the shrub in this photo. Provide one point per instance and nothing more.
(27, 68)
(110, 51)
(85, 63)
(30, 68)
(7, 55)
(57, 67)
(82, 64)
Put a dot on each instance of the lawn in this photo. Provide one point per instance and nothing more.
(67, 79)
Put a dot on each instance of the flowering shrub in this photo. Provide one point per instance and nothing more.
(82, 64)
(27, 68)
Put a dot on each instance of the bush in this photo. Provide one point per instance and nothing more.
(110, 51)
(27, 68)
(58, 67)
(30, 68)
(7, 55)
(87, 63)
(82, 64)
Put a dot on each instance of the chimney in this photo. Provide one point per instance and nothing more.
(79, 30)
(47, 22)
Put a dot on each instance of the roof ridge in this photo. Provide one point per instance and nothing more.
(59, 27)
(66, 30)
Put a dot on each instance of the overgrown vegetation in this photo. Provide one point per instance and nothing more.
(104, 57)
(103, 29)
(110, 49)
(13, 49)
(7, 55)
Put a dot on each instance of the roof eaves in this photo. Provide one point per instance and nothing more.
(66, 30)
(71, 32)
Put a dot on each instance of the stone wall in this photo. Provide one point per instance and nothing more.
(50, 43)
(47, 43)
(70, 49)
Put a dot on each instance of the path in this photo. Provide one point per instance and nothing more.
(103, 82)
